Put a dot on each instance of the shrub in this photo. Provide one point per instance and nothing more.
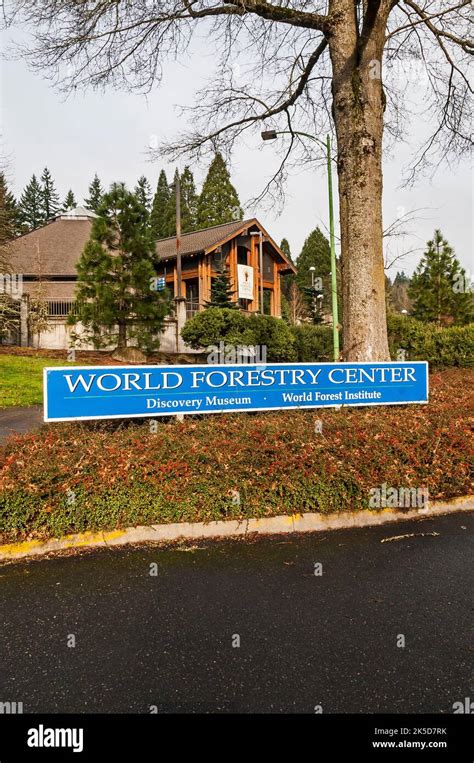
(440, 346)
(214, 325)
(275, 335)
(313, 343)
(232, 327)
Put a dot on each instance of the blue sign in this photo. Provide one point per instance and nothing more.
(107, 392)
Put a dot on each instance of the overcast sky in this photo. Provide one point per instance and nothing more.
(110, 133)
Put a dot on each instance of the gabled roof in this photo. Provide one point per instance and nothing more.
(208, 239)
(199, 240)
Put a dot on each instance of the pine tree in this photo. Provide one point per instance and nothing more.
(49, 195)
(289, 279)
(160, 203)
(9, 213)
(95, 195)
(9, 304)
(315, 253)
(31, 205)
(218, 202)
(221, 291)
(69, 202)
(285, 248)
(143, 193)
(398, 293)
(438, 287)
(115, 276)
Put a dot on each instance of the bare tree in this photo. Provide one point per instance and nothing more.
(354, 65)
(297, 308)
(38, 308)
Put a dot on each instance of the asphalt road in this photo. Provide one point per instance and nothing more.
(20, 420)
(305, 639)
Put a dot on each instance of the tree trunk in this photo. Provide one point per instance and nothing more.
(358, 106)
(122, 336)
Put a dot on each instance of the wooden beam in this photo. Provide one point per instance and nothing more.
(233, 268)
(253, 307)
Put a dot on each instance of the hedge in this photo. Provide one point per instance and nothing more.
(216, 324)
(440, 346)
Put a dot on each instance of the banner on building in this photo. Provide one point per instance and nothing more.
(245, 281)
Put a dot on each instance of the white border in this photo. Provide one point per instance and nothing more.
(199, 366)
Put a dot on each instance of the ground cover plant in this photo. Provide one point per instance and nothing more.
(74, 477)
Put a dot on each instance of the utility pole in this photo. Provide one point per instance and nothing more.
(178, 235)
(260, 264)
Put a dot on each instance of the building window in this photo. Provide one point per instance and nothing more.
(192, 297)
(267, 301)
(242, 255)
(267, 267)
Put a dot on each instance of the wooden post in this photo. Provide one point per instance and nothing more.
(254, 264)
(277, 290)
(233, 268)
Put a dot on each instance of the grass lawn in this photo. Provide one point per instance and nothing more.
(72, 477)
(21, 379)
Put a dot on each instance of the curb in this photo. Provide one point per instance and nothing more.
(295, 523)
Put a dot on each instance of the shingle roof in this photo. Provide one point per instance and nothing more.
(53, 249)
(200, 240)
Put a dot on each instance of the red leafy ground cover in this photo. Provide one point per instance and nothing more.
(90, 476)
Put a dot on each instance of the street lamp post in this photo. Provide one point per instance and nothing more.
(271, 135)
(260, 263)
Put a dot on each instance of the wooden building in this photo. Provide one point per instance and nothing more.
(234, 247)
(44, 263)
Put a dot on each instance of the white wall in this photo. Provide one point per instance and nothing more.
(59, 338)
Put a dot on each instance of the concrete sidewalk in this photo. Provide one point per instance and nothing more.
(19, 420)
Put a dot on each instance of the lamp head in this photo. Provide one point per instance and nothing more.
(269, 134)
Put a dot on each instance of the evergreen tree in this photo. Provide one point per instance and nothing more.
(398, 293)
(49, 195)
(189, 201)
(69, 202)
(143, 193)
(315, 253)
(95, 195)
(116, 274)
(222, 294)
(9, 213)
(285, 248)
(400, 278)
(160, 203)
(289, 279)
(9, 304)
(31, 205)
(438, 287)
(218, 202)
